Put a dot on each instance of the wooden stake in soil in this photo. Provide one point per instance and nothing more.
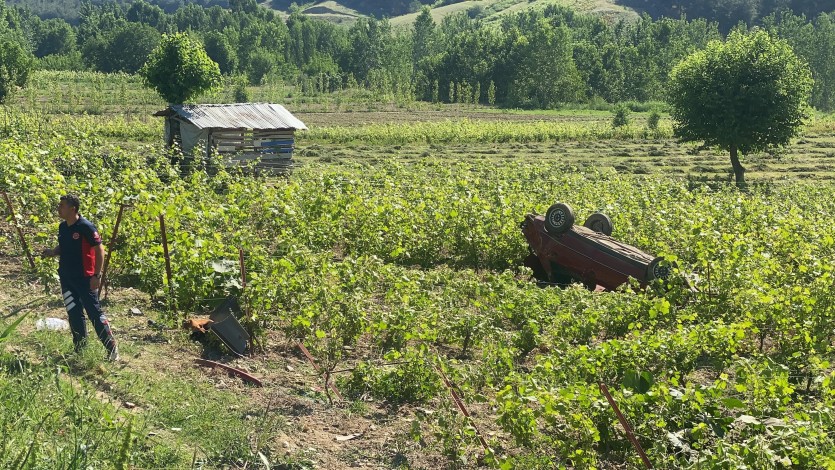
(626, 427)
(316, 368)
(243, 269)
(249, 326)
(110, 245)
(19, 231)
(463, 409)
(169, 277)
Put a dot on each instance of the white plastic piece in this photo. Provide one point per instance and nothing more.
(52, 324)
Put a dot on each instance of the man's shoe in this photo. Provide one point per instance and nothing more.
(114, 355)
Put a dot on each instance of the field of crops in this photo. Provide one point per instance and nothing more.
(394, 254)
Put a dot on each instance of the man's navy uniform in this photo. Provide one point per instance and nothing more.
(76, 266)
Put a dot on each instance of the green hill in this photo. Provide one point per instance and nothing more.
(330, 10)
(404, 13)
(70, 10)
(490, 10)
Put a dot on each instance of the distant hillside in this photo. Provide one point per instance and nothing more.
(403, 12)
(490, 10)
(70, 10)
(728, 13)
(328, 11)
(378, 8)
(725, 12)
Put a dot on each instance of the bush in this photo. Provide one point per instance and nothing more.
(620, 116)
(412, 380)
(260, 65)
(653, 119)
(241, 94)
(72, 62)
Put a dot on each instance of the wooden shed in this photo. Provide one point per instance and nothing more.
(242, 131)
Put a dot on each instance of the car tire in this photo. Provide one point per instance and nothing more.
(600, 223)
(658, 269)
(559, 218)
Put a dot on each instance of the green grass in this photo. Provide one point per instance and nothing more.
(74, 410)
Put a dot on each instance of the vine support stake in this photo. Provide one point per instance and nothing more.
(463, 409)
(626, 427)
(312, 361)
(243, 268)
(110, 246)
(19, 231)
(168, 275)
(249, 323)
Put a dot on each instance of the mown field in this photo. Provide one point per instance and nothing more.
(393, 254)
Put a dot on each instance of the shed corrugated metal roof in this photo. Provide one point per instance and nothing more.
(238, 115)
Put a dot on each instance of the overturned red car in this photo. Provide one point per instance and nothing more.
(563, 253)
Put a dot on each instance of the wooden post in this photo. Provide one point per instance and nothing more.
(19, 231)
(110, 249)
(208, 154)
(243, 269)
(312, 361)
(168, 274)
(626, 427)
(462, 408)
(249, 327)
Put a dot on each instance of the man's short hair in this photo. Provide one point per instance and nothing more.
(72, 200)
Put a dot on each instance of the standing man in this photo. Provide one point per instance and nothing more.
(79, 267)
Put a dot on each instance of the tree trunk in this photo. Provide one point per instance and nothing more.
(739, 171)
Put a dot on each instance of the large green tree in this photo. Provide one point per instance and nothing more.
(546, 74)
(423, 35)
(744, 95)
(15, 64)
(179, 69)
(371, 42)
(53, 36)
(108, 53)
(219, 50)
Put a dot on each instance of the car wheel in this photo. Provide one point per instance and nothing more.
(658, 269)
(559, 218)
(600, 223)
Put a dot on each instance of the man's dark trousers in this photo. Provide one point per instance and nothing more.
(78, 297)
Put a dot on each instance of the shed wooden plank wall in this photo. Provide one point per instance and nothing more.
(274, 148)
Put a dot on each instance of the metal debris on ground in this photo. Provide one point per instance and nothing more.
(226, 326)
(198, 325)
(245, 376)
